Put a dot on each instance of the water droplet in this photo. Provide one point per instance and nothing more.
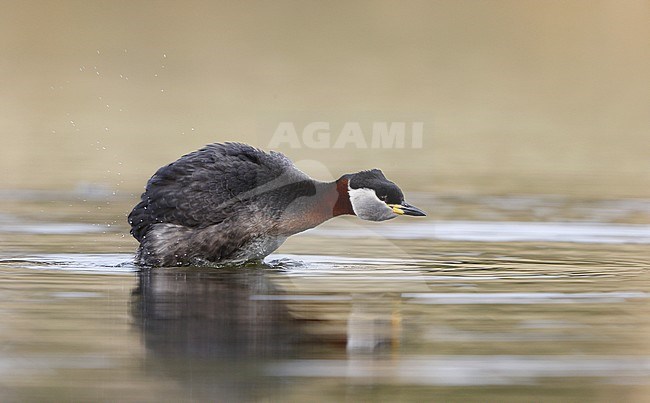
(165, 55)
(97, 51)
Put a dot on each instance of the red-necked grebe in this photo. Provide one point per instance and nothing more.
(233, 203)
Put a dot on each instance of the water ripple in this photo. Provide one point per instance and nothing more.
(500, 231)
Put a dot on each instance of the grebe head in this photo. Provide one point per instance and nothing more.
(375, 198)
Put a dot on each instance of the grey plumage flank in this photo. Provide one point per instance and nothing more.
(210, 203)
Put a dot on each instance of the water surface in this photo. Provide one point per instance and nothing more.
(501, 299)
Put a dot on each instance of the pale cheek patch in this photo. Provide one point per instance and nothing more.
(367, 206)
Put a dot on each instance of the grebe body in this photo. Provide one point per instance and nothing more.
(233, 203)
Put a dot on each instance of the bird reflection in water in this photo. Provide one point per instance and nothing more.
(216, 330)
(201, 326)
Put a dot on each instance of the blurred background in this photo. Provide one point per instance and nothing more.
(515, 96)
(529, 277)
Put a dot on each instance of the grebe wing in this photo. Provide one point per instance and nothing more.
(205, 187)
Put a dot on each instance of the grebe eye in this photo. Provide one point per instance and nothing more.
(383, 197)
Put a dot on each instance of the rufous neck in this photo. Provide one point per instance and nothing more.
(342, 205)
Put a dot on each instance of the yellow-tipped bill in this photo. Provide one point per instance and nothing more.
(406, 209)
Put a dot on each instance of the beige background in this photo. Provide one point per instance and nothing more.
(517, 96)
